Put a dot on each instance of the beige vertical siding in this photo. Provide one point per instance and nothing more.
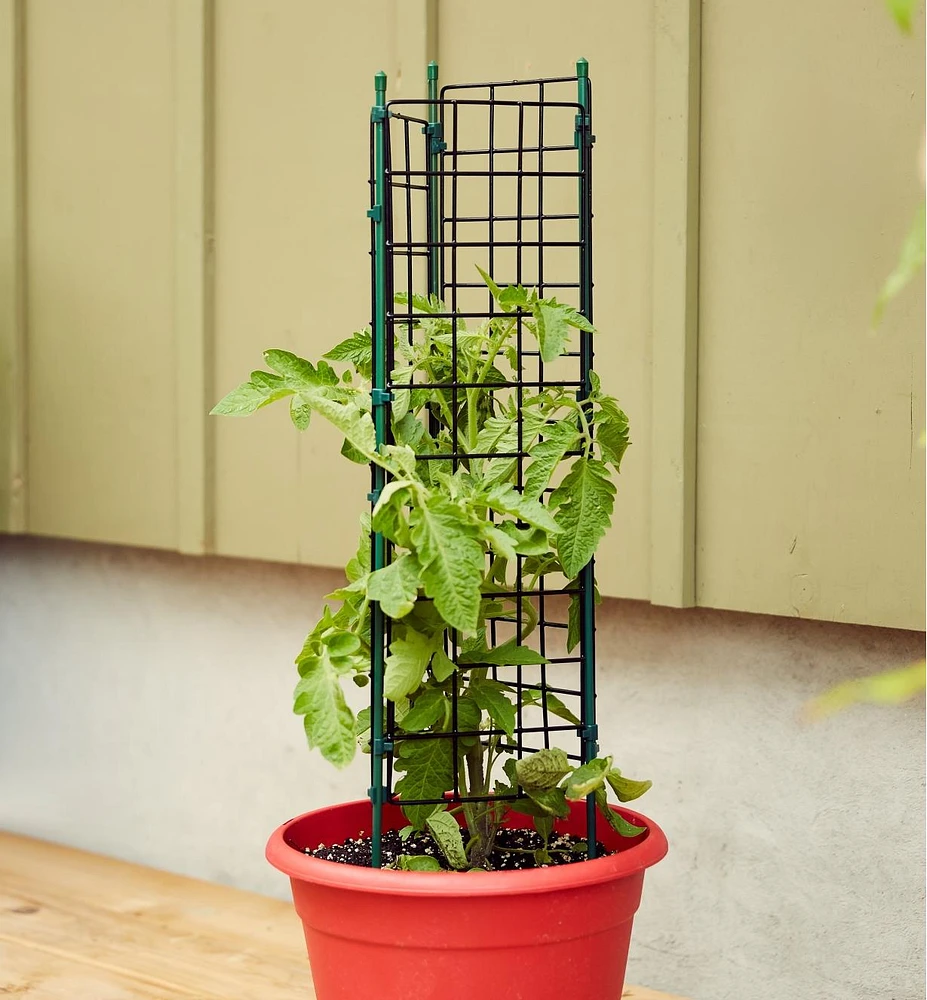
(98, 134)
(185, 184)
(810, 481)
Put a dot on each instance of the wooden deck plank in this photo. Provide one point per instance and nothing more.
(78, 926)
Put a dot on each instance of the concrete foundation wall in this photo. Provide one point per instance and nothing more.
(145, 713)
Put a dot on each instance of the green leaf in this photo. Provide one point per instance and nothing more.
(547, 455)
(447, 835)
(419, 302)
(507, 500)
(615, 820)
(418, 863)
(358, 350)
(501, 542)
(442, 666)
(507, 654)
(451, 558)
(246, 399)
(359, 566)
(469, 715)
(428, 772)
(491, 697)
(396, 586)
(551, 800)
(542, 770)
(428, 708)
(297, 371)
(626, 789)
(909, 263)
(514, 297)
(585, 499)
(329, 723)
(406, 664)
(553, 320)
(493, 287)
(611, 430)
(574, 620)
(554, 705)
(300, 412)
(587, 778)
(356, 425)
(341, 643)
(903, 13)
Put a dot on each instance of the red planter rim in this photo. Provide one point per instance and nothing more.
(285, 851)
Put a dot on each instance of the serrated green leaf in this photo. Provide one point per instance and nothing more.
(585, 501)
(358, 350)
(500, 542)
(542, 770)
(442, 666)
(551, 800)
(615, 820)
(452, 560)
(554, 705)
(300, 413)
(356, 425)
(492, 698)
(507, 500)
(553, 331)
(553, 321)
(506, 654)
(493, 287)
(447, 835)
(297, 371)
(418, 863)
(425, 712)
(328, 722)
(427, 767)
(246, 399)
(396, 586)
(574, 620)
(469, 715)
(406, 664)
(515, 297)
(419, 302)
(341, 643)
(626, 789)
(547, 455)
(611, 430)
(587, 778)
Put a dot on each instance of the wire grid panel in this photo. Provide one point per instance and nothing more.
(495, 176)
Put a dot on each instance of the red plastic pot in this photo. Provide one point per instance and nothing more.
(558, 933)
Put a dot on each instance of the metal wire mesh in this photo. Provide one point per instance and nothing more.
(495, 175)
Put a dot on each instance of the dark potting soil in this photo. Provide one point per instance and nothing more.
(514, 850)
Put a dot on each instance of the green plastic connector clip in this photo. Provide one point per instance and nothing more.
(375, 213)
(591, 735)
(380, 397)
(374, 496)
(381, 747)
(436, 143)
(583, 124)
(378, 114)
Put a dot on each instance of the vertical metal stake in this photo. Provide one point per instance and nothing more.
(378, 542)
(587, 576)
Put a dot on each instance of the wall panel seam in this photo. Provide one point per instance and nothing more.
(13, 342)
(194, 91)
(677, 54)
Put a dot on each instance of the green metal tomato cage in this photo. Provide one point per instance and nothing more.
(497, 175)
